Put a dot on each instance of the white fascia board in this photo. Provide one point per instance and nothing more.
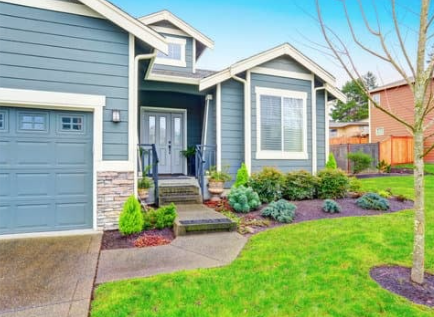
(51, 99)
(173, 79)
(128, 23)
(336, 92)
(168, 16)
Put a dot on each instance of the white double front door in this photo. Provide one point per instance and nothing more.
(167, 131)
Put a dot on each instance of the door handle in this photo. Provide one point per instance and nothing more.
(170, 147)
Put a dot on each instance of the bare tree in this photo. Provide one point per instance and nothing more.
(416, 72)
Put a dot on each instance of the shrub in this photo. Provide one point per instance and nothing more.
(331, 206)
(332, 184)
(300, 185)
(355, 185)
(373, 201)
(402, 198)
(242, 176)
(243, 199)
(131, 220)
(361, 161)
(331, 162)
(281, 211)
(384, 193)
(268, 184)
(163, 217)
(384, 167)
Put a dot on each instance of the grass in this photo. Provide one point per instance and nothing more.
(429, 167)
(318, 268)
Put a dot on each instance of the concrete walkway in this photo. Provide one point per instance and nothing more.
(184, 253)
(49, 277)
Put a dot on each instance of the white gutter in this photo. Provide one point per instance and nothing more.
(208, 98)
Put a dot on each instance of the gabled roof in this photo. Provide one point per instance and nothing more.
(128, 23)
(165, 15)
(261, 58)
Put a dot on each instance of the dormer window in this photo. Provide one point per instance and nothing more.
(176, 54)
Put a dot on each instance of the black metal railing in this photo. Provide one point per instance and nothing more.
(205, 158)
(148, 165)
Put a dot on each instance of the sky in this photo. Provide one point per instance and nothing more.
(242, 28)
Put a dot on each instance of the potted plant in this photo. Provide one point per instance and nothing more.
(189, 154)
(216, 182)
(143, 186)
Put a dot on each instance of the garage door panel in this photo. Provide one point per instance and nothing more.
(46, 177)
(33, 184)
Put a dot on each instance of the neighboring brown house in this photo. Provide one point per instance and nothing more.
(397, 98)
(349, 129)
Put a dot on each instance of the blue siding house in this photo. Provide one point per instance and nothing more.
(83, 84)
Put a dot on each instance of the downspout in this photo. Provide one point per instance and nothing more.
(314, 130)
(208, 98)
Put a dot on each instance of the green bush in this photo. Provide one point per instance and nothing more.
(355, 185)
(161, 218)
(332, 184)
(268, 184)
(243, 199)
(373, 201)
(242, 176)
(281, 211)
(360, 160)
(384, 193)
(300, 185)
(330, 206)
(130, 219)
(331, 162)
(384, 167)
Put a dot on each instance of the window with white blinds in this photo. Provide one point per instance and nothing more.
(282, 124)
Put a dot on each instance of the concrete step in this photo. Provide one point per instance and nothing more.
(176, 190)
(195, 219)
(180, 199)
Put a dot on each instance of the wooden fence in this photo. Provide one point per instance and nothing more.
(394, 150)
(353, 140)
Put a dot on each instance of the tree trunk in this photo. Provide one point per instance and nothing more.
(418, 268)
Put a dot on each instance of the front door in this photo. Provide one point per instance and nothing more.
(166, 131)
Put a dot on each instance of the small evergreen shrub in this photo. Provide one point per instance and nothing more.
(300, 185)
(384, 193)
(281, 211)
(355, 185)
(243, 199)
(332, 184)
(161, 218)
(242, 176)
(372, 201)
(130, 219)
(384, 167)
(360, 161)
(330, 206)
(268, 184)
(331, 162)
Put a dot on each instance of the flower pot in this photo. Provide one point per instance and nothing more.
(143, 193)
(216, 189)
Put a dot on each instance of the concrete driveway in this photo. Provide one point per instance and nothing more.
(50, 276)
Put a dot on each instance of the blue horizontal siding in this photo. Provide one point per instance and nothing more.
(286, 63)
(55, 51)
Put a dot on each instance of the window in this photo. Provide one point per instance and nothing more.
(333, 133)
(2, 120)
(281, 124)
(376, 98)
(379, 131)
(72, 123)
(176, 53)
(33, 121)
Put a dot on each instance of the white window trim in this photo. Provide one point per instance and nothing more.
(174, 62)
(280, 155)
(374, 96)
(381, 129)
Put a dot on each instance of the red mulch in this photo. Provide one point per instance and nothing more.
(150, 241)
(220, 205)
(396, 279)
(113, 239)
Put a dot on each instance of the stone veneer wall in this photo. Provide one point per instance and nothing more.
(113, 189)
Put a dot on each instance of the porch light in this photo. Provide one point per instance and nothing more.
(116, 116)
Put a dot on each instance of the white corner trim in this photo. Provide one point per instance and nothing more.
(248, 123)
(25, 97)
(165, 15)
(128, 23)
(219, 125)
(194, 56)
(327, 129)
(282, 73)
(173, 79)
(280, 155)
(166, 30)
(59, 6)
(132, 109)
(369, 121)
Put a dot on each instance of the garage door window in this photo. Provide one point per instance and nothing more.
(3, 120)
(71, 123)
(33, 121)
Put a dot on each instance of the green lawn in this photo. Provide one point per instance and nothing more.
(318, 268)
(429, 167)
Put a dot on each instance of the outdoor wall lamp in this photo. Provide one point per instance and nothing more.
(116, 116)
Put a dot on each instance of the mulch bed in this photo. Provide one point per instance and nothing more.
(396, 279)
(113, 239)
(308, 210)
